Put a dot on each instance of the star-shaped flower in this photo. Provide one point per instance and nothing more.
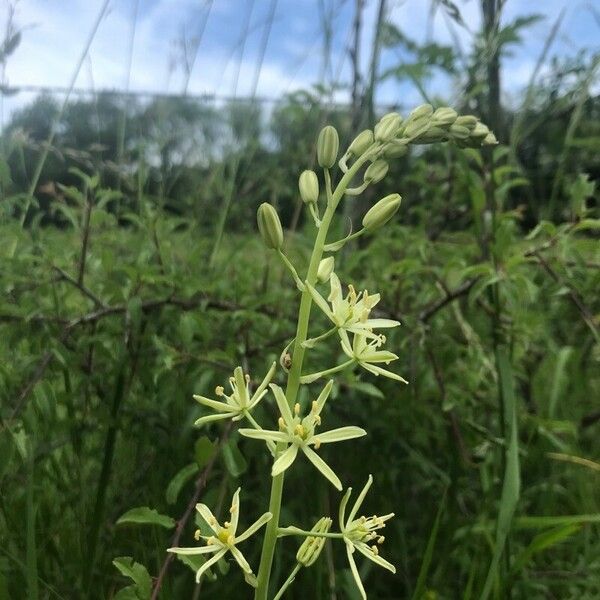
(300, 434)
(359, 532)
(239, 403)
(350, 312)
(367, 355)
(224, 539)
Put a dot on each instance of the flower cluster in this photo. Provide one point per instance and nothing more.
(355, 326)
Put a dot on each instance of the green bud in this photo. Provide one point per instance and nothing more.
(327, 147)
(361, 143)
(444, 117)
(379, 214)
(325, 269)
(311, 548)
(269, 226)
(459, 132)
(376, 171)
(388, 127)
(432, 135)
(308, 184)
(479, 131)
(490, 140)
(423, 111)
(468, 121)
(416, 127)
(395, 149)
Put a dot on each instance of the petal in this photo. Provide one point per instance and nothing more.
(379, 356)
(209, 563)
(235, 511)
(282, 403)
(339, 435)
(239, 557)
(323, 467)
(323, 396)
(214, 404)
(335, 293)
(216, 417)
(320, 301)
(360, 499)
(381, 323)
(342, 513)
(364, 549)
(379, 371)
(210, 519)
(196, 550)
(284, 460)
(256, 399)
(254, 527)
(265, 434)
(346, 346)
(263, 386)
(359, 585)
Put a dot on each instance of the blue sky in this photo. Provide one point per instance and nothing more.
(56, 31)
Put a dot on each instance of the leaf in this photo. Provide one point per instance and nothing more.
(235, 462)
(146, 516)
(178, 481)
(559, 378)
(136, 572)
(204, 450)
(512, 481)
(543, 522)
(426, 562)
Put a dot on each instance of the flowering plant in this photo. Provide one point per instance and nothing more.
(349, 315)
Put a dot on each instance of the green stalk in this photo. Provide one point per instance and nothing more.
(293, 383)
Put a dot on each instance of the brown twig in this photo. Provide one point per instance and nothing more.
(182, 522)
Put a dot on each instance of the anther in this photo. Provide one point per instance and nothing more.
(220, 390)
(197, 534)
(297, 408)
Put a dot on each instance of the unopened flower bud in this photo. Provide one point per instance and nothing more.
(422, 111)
(432, 135)
(388, 127)
(311, 548)
(269, 226)
(479, 131)
(327, 147)
(308, 184)
(395, 149)
(468, 121)
(325, 269)
(459, 132)
(361, 143)
(376, 171)
(490, 140)
(444, 117)
(379, 214)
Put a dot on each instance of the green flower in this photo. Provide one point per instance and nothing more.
(351, 312)
(239, 403)
(367, 355)
(300, 434)
(224, 539)
(359, 532)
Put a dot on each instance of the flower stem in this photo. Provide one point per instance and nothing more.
(288, 581)
(293, 383)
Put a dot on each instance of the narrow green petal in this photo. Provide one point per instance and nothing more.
(209, 563)
(380, 371)
(210, 418)
(207, 515)
(320, 301)
(285, 460)
(282, 403)
(196, 550)
(360, 499)
(265, 434)
(323, 396)
(323, 467)
(256, 399)
(254, 527)
(214, 404)
(340, 434)
(239, 557)
(359, 585)
(346, 346)
(379, 356)
(342, 512)
(366, 551)
(235, 511)
(263, 386)
(381, 323)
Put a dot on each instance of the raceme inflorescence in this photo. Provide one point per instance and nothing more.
(299, 434)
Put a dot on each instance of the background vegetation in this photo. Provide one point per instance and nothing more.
(121, 296)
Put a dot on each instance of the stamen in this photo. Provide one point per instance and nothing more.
(315, 406)
(297, 408)
(197, 534)
(226, 524)
(375, 550)
(317, 443)
(220, 390)
(247, 378)
(381, 539)
(281, 423)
